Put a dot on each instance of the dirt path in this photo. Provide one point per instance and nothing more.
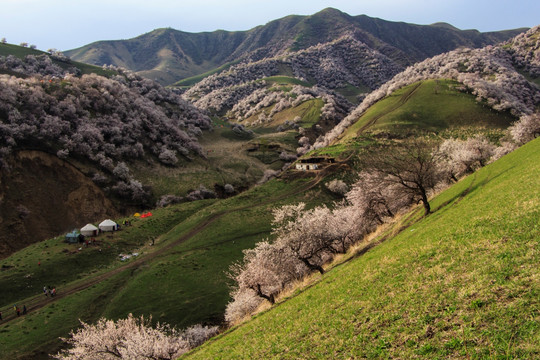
(39, 301)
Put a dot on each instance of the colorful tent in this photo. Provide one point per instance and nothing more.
(136, 214)
(108, 225)
(89, 230)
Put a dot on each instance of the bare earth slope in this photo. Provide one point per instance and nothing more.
(51, 196)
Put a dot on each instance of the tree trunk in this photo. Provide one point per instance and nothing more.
(270, 297)
(425, 202)
(312, 267)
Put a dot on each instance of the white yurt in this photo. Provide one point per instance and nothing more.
(108, 225)
(89, 230)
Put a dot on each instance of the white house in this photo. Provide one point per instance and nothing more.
(313, 163)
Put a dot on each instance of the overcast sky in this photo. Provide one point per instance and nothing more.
(67, 24)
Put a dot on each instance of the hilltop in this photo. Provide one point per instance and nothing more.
(503, 77)
(169, 55)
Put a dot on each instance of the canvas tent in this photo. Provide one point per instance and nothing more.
(72, 237)
(108, 225)
(89, 230)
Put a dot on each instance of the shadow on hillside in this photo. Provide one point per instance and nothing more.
(469, 190)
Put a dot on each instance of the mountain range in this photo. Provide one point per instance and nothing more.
(167, 55)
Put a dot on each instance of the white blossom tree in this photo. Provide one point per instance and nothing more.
(526, 129)
(132, 338)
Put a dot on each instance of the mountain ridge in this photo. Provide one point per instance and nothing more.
(168, 55)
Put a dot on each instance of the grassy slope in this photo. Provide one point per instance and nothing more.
(167, 286)
(190, 81)
(427, 108)
(461, 283)
(227, 162)
(432, 105)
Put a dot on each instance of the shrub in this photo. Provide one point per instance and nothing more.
(337, 186)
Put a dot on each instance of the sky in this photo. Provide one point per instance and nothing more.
(68, 24)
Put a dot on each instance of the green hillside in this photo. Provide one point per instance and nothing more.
(429, 106)
(193, 241)
(460, 283)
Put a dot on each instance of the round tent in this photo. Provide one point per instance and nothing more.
(108, 225)
(89, 230)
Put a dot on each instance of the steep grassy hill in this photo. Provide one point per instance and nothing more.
(433, 108)
(168, 55)
(430, 106)
(460, 283)
(503, 77)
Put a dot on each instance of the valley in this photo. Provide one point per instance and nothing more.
(205, 130)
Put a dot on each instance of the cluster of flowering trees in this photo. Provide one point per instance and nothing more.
(331, 65)
(133, 338)
(489, 73)
(345, 61)
(104, 120)
(35, 64)
(525, 51)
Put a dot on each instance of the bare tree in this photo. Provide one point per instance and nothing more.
(376, 200)
(410, 166)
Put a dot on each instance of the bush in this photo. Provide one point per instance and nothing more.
(166, 200)
(337, 186)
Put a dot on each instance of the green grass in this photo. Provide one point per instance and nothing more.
(192, 80)
(309, 112)
(351, 92)
(460, 283)
(38, 333)
(429, 106)
(168, 286)
(56, 263)
(18, 51)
